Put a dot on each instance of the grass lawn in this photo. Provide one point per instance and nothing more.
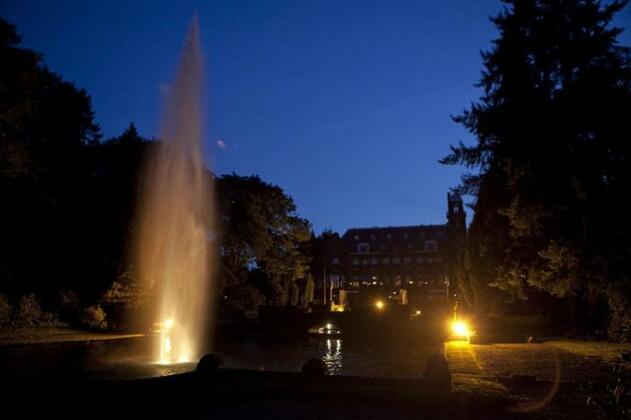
(55, 335)
(597, 349)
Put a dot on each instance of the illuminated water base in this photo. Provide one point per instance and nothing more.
(174, 255)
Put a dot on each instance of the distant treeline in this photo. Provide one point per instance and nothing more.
(552, 167)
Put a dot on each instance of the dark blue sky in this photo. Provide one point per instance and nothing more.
(344, 104)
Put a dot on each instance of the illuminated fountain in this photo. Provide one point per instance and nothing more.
(173, 250)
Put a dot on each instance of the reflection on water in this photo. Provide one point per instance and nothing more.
(126, 359)
(84, 361)
(333, 355)
(342, 356)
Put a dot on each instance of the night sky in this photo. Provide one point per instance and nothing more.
(344, 104)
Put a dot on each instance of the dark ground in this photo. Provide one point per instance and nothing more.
(512, 380)
(546, 380)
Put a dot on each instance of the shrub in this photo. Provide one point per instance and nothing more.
(68, 305)
(5, 312)
(50, 320)
(619, 328)
(243, 296)
(68, 300)
(29, 312)
(126, 293)
(94, 318)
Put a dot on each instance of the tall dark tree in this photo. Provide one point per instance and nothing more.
(262, 241)
(47, 130)
(327, 250)
(552, 153)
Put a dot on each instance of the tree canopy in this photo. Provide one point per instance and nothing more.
(260, 233)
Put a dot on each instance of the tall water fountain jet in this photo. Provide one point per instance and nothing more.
(173, 250)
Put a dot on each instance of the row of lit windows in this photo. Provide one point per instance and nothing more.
(429, 246)
(405, 235)
(357, 283)
(397, 260)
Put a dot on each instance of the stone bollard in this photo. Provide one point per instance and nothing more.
(436, 377)
(314, 367)
(209, 364)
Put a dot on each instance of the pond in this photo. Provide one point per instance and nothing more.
(126, 359)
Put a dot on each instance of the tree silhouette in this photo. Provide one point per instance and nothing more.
(552, 152)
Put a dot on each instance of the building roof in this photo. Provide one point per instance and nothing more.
(399, 238)
(384, 230)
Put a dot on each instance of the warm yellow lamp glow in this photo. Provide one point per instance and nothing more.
(379, 304)
(460, 329)
(168, 324)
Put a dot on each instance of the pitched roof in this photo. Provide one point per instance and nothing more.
(395, 229)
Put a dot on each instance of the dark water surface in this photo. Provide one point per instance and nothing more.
(126, 359)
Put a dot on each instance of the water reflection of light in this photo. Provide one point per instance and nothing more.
(333, 355)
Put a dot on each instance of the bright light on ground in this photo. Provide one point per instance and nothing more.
(460, 329)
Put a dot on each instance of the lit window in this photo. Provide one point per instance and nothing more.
(456, 209)
(363, 248)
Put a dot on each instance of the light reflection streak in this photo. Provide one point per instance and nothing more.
(333, 355)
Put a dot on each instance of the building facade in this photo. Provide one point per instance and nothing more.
(404, 263)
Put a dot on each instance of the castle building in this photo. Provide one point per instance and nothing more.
(405, 263)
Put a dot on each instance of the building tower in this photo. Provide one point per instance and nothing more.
(456, 216)
(457, 232)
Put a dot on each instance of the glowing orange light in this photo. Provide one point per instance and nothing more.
(460, 329)
(379, 304)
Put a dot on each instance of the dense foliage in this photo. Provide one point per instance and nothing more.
(262, 242)
(552, 160)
